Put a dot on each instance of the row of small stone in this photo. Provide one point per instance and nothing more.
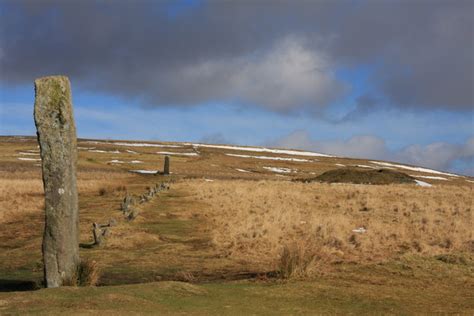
(130, 202)
(129, 209)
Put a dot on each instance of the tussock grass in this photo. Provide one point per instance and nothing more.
(87, 274)
(185, 276)
(256, 221)
(296, 260)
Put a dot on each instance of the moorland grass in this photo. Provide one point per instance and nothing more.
(415, 255)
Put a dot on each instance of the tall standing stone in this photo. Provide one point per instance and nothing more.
(166, 169)
(58, 145)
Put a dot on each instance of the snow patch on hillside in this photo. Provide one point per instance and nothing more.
(132, 144)
(146, 145)
(366, 166)
(429, 177)
(120, 161)
(270, 158)
(104, 151)
(279, 170)
(144, 171)
(419, 169)
(29, 159)
(262, 149)
(243, 170)
(176, 153)
(116, 161)
(422, 183)
(28, 154)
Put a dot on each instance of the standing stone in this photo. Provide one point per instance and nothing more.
(166, 169)
(58, 145)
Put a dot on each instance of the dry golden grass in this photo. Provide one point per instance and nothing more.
(255, 221)
(250, 222)
(233, 228)
(296, 260)
(88, 273)
(124, 238)
(20, 196)
(22, 193)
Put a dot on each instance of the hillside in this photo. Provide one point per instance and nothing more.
(212, 161)
(234, 227)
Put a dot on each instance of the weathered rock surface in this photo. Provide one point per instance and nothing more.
(166, 169)
(58, 146)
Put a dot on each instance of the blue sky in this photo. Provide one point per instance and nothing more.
(106, 116)
(200, 71)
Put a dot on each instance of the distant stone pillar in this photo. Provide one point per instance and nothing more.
(58, 146)
(166, 169)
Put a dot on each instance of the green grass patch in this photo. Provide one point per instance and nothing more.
(169, 227)
(236, 298)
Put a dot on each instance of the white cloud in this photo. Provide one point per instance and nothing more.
(287, 76)
(440, 156)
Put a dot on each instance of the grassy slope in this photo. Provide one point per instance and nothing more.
(401, 287)
(179, 243)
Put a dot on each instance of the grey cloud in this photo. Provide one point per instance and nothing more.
(282, 56)
(440, 156)
(365, 104)
(436, 155)
(425, 50)
(286, 74)
(356, 147)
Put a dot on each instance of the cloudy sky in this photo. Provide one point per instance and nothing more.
(378, 79)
